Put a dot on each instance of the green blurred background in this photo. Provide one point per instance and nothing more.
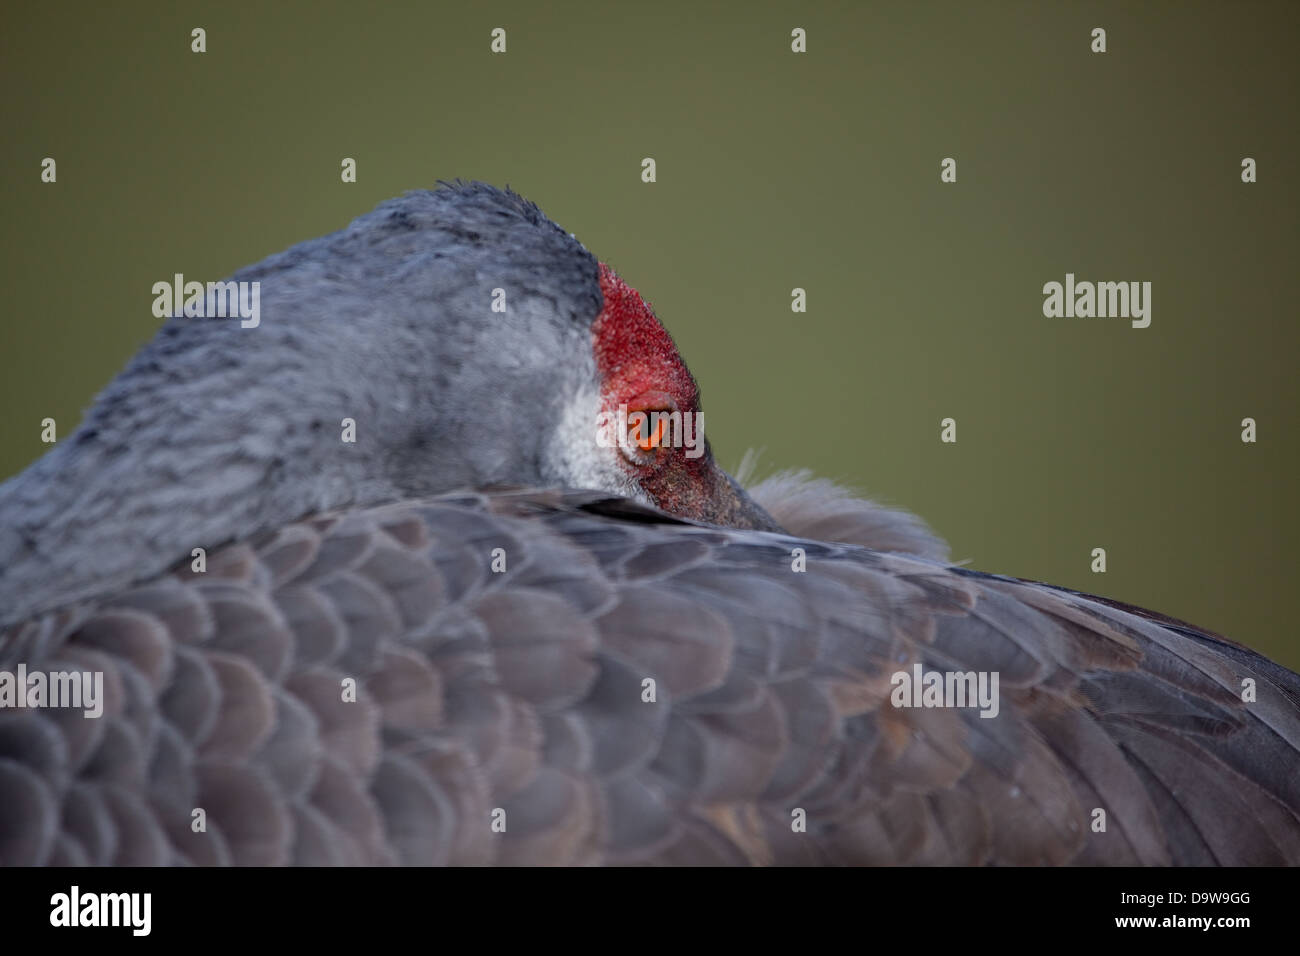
(775, 170)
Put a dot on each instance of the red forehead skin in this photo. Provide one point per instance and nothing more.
(634, 356)
(634, 353)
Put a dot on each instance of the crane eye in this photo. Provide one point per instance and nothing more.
(648, 427)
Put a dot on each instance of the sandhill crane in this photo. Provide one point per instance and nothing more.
(495, 625)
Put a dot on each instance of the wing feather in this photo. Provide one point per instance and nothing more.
(371, 687)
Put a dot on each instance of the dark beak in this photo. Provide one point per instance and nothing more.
(732, 507)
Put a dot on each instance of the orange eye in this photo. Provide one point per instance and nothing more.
(651, 438)
(648, 426)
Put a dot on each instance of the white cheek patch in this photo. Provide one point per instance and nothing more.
(579, 455)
